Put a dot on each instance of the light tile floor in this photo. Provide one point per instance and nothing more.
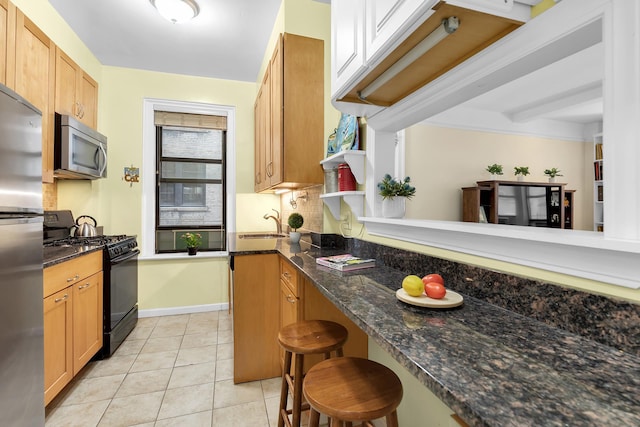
(170, 371)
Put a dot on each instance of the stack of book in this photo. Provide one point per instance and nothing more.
(346, 262)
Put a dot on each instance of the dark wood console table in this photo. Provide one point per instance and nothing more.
(538, 204)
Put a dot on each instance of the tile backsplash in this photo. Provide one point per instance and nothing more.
(50, 196)
(310, 208)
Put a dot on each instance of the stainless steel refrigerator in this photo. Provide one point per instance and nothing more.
(21, 318)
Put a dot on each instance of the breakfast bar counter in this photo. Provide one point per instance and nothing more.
(492, 366)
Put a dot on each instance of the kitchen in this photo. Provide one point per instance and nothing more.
(117, 204)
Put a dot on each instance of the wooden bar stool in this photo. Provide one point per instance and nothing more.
(300, 338)
(351, 389)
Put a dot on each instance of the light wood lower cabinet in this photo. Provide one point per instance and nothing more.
(269, 293)
(72, 319)
(256, 317)
(58, 342)
(87, 320)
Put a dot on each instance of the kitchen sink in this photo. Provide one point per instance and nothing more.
(262, 236)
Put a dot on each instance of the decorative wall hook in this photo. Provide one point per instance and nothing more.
(131, 175)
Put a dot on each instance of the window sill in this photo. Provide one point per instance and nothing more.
(182, 256)
(578, 253)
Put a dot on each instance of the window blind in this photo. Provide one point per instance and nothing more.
(165, 118)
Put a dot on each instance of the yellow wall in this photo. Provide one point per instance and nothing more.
(441, 161)
(117, 205)
(541, 7)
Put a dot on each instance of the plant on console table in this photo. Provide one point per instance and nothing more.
(552, 173)
(295, 221)
(520, 172)
(495, 170)
(193, 242)
(394, 194)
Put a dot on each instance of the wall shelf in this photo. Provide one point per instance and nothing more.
(354, 158)
(355, 200)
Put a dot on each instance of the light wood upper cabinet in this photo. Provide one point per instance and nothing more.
(35, 80)
(292, 113)
(262, 130)
(274, 153)
(7, 39)
(76, 93)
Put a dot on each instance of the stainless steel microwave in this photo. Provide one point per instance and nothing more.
(79, 151)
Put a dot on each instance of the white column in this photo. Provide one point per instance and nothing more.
(621, 38)
(381, 159)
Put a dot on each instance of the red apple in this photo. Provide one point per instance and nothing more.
(433, 278)
(435, 290)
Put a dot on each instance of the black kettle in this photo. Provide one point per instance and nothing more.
(85, 229)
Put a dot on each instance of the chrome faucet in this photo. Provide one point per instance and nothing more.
(276, 219)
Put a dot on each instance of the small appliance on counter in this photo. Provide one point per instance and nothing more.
(119, 266)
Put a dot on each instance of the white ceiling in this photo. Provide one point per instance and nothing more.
(227, 40)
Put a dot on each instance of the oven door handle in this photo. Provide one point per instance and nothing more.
(125, 257)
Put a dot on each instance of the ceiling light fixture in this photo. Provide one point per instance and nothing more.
(176, 11)
(446, 27)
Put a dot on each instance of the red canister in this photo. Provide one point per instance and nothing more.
(346, 180)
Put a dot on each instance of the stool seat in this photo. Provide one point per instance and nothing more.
(353, 389)
(297, 339)
(312, 337)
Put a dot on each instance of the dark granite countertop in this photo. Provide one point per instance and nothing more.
(492, 366)
(53, 255)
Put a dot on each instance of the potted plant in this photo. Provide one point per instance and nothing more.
(295, 221)
(521, 172)
(552, 173)
(394, 194)
(193, 241)
(495, 170)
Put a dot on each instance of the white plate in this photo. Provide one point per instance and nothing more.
(451, 299)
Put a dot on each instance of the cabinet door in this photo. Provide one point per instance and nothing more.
(67, 77)
(347, 42)
(88, 98)
(35, 80)
(76, 92)
(87, 320)
(58, 342)
(385, 19)
(262, 134)
(256, 317)
(274, 148)
(289, 306)
(7, 38)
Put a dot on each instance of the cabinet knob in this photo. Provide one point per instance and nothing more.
(291, 299)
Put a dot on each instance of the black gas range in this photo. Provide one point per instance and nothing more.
(114, 245)
(120, 269)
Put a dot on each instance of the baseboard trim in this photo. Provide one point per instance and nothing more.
(171, 311)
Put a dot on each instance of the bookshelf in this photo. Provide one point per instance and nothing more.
(598, 183)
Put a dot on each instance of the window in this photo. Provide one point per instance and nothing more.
(187, 177)
(190, 185)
